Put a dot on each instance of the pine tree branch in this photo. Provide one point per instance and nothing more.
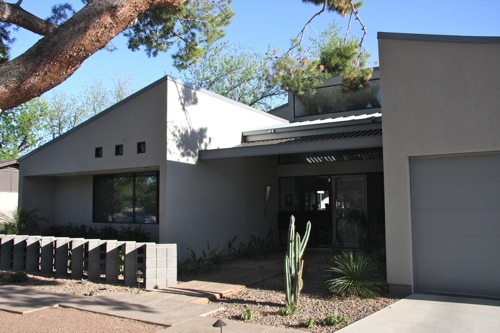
(14, 14)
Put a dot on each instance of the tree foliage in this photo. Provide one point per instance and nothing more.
(235, 72)
(21, 128)
(300, 69)
(182, 27)
(262, 80)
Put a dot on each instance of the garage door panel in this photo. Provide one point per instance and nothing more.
(460, 194)
(459, 249)
(448, 277)
(458, 221)
(477, 168)
(456, 224)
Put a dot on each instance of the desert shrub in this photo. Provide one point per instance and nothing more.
(247, 315)
(309, 324)
(354, 274)
(288, 310)
(334, 320)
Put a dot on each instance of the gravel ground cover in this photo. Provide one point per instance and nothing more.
(263, 300)
(266, 300)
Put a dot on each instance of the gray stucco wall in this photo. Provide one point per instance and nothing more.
(223, 199)
(440, 97)
(57, 179)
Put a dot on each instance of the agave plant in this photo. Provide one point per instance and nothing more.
(354, 274)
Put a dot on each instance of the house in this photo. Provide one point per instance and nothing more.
(197, 169)
(9, 180)
(136, 164)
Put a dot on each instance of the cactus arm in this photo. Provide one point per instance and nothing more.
(306, 238)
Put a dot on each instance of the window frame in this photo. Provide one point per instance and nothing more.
(134, 177)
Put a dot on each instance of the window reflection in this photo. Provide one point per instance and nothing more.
(331, 99)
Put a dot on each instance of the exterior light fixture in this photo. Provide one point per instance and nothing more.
(138, 274)
(219, 323)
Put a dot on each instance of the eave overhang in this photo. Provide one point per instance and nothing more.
(342, 133)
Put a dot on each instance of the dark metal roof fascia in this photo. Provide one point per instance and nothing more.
(301, 147)
(439, 38)
(312, 129)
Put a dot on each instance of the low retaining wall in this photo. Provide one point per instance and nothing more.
(97, 260)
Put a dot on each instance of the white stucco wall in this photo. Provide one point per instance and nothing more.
(440, 96)
(198, 119)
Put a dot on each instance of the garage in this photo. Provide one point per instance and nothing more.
(456, 224)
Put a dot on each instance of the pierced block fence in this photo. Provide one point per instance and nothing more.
(109, 261)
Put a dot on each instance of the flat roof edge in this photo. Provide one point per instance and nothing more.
(438, 38)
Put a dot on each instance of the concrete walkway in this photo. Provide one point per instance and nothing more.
(432, 314)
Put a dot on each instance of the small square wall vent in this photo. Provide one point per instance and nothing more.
(119, 150)
(141, 147)
(98, 152)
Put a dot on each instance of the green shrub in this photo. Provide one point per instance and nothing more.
(354, 274)
(21, 222)
(289, 310)
(123, 233)
(18, 277)
(309, 324)
(247, 315)
(334, 320)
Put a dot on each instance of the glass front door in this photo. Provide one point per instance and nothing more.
(350, 209)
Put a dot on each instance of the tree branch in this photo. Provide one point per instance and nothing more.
(13, 13)
(300, 35)
(57, 56)
(363, 27)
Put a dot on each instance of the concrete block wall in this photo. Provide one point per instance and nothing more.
(97, 260)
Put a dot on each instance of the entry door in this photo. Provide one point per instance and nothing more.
(350, 207)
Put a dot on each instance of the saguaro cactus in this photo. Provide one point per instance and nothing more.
(294, 265)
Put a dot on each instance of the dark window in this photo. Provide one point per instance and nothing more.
(98, 152)
(332, 99)
(126, 198)
(118, 150)
(141, 147)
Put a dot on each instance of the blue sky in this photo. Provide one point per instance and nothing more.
(262, 23)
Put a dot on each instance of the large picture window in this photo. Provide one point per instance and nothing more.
(126, 198)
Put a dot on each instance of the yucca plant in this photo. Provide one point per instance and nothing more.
(354, 274)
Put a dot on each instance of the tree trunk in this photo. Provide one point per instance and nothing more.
(57, 56)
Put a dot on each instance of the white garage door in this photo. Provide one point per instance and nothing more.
(456, 224)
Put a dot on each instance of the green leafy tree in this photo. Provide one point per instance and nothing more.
(22, 128)
(235, 72)
(72, 35)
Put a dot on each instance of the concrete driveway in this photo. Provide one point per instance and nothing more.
(431, 314)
